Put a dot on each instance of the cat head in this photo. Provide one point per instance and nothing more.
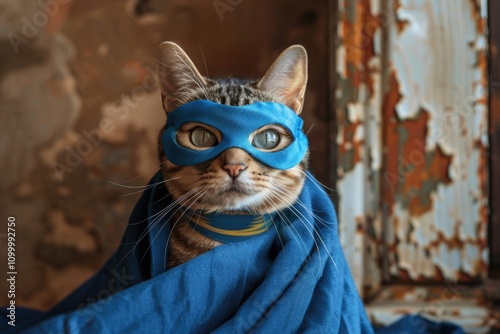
(234, 179)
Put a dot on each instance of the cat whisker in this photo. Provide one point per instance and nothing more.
(268, 200)
(158, 213)
(306, 223)
(316, 182)
(289, 195)
(298, 233)
(159, 219)
(142, 188)
(183, 96)
(146, 231)
(204, 60)
(285, 220)
(161, 214)
(285, 192)
(164, 197)
(146, 174)
(194, 78)
(312, 126)
(175, 224)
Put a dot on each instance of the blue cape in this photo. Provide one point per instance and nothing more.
(291, 279)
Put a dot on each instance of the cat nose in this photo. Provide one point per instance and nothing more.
(234, 169)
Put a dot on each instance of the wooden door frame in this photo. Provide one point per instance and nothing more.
(494, 133)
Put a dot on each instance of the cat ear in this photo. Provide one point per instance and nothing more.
(286, 79)
(178, 76)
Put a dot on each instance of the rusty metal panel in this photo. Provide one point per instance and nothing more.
(412, 143)
(358, 105)
(434, 183)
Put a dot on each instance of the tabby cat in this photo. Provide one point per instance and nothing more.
(234, 181)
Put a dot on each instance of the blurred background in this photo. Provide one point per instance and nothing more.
(401, 108)
(81, 112)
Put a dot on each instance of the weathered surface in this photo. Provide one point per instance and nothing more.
(62, 144)
(359, 82)
(434, 181)
(412, 144)
(80, 114)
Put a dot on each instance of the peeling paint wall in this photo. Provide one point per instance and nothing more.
(412, 116)
(412, 113)
(359, 83)
(73, 119)
(80, 112)
(434, 183)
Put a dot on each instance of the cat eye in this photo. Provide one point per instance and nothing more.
(201, 137)
(266, 140)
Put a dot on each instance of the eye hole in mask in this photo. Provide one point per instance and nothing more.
(202, 137)
(198, 136)
(271, 138)
(266, 140)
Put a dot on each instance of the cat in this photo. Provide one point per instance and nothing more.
(234, 181)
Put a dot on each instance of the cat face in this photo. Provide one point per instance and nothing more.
(233, 180)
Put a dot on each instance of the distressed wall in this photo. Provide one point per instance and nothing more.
(80, 112)
(75, 116)
(359, 98)
(412, 142)
(435, 175)
(412, 145)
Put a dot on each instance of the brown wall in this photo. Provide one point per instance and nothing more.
(80, 113)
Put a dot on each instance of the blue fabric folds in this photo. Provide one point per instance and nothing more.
(291, 279)
(417, 324)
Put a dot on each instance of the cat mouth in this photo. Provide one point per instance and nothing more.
(237, 187)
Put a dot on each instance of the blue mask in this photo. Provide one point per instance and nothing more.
(236, 124)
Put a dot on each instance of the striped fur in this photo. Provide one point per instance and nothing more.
(207, 186)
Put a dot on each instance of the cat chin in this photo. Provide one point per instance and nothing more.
(236, 201)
